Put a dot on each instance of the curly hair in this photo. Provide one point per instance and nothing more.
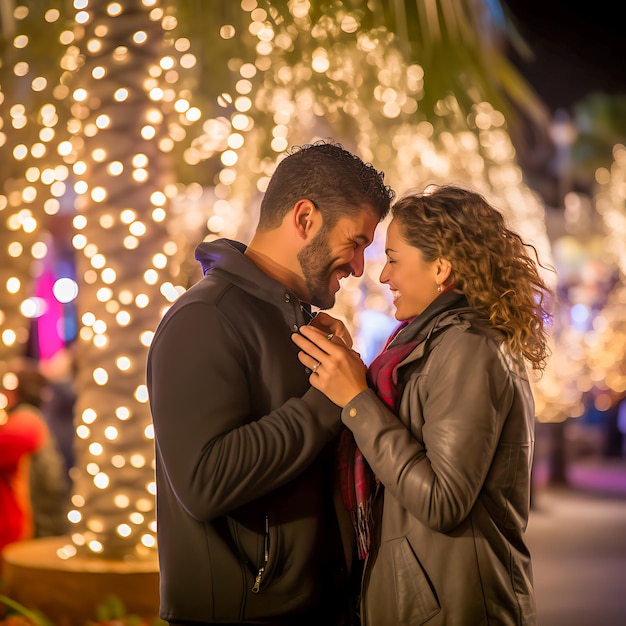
(491, 264)
(335, 180)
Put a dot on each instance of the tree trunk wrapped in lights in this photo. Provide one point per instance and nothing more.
(33, 175)
(122, 267)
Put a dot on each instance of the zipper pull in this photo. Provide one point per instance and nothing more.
(266, 556)
(257, 581)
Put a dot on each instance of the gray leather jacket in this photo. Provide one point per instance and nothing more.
(247, 530)
(454, 466)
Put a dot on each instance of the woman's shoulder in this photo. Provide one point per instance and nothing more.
(472, 324)
(478, 342)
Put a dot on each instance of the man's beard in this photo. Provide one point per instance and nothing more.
(316, 266)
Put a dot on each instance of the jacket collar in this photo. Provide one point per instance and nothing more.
(450, 308)
(226, 258)
(448, 302)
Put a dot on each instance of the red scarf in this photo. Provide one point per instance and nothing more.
(355, 480)
(383, 371)
(355, 475)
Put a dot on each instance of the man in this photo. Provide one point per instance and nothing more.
(247, 528)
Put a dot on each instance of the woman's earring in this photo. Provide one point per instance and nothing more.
(438, 287)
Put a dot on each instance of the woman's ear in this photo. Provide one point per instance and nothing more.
(305, 217)
(444, 270)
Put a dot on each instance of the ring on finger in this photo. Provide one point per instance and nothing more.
(314, 368)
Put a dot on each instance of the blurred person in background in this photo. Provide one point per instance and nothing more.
(34, 490)
(58, 407)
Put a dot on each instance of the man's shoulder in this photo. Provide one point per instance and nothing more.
(213, 289)
(214, 292)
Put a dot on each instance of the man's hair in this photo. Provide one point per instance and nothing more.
(338, 183)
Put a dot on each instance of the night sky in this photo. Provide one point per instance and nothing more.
(579, 47)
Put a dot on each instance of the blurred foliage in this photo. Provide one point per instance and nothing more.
(12, 613)
(600, 122)
(460, 45)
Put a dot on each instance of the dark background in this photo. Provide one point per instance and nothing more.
(579, 48)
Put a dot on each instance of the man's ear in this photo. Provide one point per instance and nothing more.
(305, 218)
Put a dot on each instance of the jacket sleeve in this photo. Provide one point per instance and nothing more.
(212, 450)
(464, 397)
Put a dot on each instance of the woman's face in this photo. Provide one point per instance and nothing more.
(413, 282)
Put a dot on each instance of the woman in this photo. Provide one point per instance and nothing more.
(445, 417)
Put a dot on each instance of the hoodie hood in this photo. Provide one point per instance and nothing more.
(226, 258)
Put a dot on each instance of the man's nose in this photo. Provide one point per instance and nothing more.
(358, 263)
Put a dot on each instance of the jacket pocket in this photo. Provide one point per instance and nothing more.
(265, 559)
(258, 550)
(416, 601)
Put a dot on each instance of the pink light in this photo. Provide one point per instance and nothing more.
(48, 324)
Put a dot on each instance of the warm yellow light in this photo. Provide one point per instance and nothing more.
(95, 546)
(39, 83)
(115, 168)
(124, 530)
(127, 216)
(101, 480)
(80, 167)
(99, 155)
(95, 448)
(158, 198)
(89, 416)
(9, 337)
(82, 17)
(13, 284)
(100, 376)
(121, 501)
(122, 413)
(141, 395)
(123, 363)
(81, 187)
(52, 15)
(114, 9)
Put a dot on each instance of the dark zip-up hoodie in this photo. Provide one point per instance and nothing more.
(246, 526)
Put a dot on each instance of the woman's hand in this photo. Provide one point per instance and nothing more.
(336, 370)
(329, 324)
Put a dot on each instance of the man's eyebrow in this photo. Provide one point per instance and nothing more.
(362, 239)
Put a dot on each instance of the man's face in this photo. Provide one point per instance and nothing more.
(336, 253)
